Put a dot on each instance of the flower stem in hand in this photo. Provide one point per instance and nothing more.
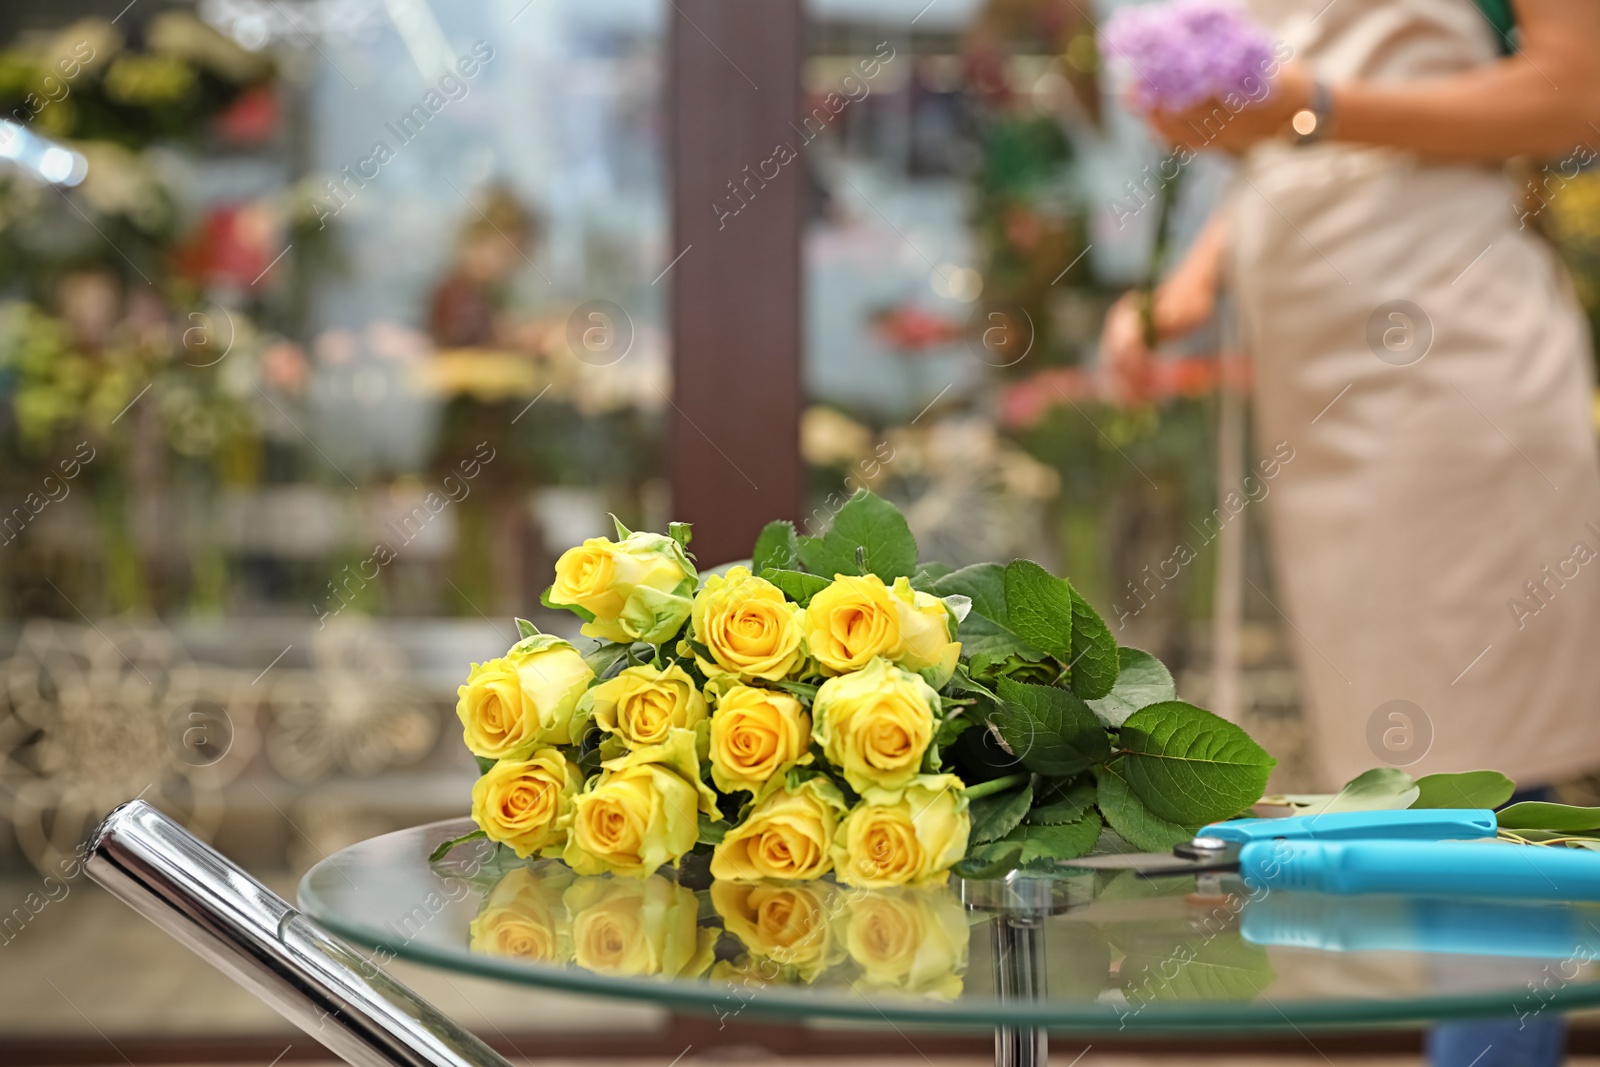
(1167, 196)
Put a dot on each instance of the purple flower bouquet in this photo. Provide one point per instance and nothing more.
(1184, 51)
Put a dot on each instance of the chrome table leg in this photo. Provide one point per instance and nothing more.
(256, 938)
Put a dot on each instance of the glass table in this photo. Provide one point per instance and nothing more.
(1082, 952)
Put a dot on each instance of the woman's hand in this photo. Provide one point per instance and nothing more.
(1211, 125)
(1183, 303)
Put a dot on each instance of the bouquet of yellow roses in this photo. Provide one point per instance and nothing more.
(834, 705)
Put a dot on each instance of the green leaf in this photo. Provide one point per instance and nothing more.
(1038, 847)
(1063, 802)
(1469, 789)
(1096, 662)
(777, 547)
(1129, 817)
(526, 628)
(623, 533)
(1040, 606)
(1050, 730)
(444, 848)
(712, 833)
(1142, 680)
(875, 526)
(604, 657)
(1557, 818)
(994, 817)
(1380, 789)
(929, 574)
(484, 763)
(986, 635)
(991, 860)
(1191, 767)
(804, 690)
(1043, 847)
(953, 727)
(681, 532)
(798, 586)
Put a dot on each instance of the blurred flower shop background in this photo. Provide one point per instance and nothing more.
(313, 355)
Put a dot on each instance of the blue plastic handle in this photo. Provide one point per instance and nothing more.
(1424, 868)
(1420, 824)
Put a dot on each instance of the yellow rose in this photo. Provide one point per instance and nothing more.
(641, 812)
(908, 940)
(527, 804)
(756, 734)
(856, 619)
(642, 705)
(637, 589)
(632, 929)
(524, 918)
(909, 836)
(875, 724)
(513, 705)
(791, 925)
(924, 633)
(788, 834)
(852, 621)
(748, 627)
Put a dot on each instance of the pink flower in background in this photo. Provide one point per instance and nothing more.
(1184, 51)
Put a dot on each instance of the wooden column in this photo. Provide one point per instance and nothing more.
(734, 89)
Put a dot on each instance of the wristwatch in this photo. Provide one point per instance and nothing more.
(1310, 123)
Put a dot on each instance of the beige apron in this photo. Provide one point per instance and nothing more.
(1426, 500)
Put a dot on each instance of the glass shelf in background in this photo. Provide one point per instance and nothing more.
(1107, 951)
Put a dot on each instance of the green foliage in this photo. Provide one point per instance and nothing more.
(1552, 818)
(993, 817)
(1133, 821)
(868, 536)
(1096, 663)
(777, 547)
(1050, 730)
(445, 846)
(1142, 680)
(796, 585)
(987, 638)
(1040, 608)
(1468, 789)
(1189, 766)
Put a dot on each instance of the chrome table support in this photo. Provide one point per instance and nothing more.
(256, 938)
(1021, 903)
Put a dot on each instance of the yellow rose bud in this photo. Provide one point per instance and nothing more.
(634, 929)
(637, 589)
(790, 925)
(527, 804)
(788, 834)
(908, 940)
(909, 836)
(924, 633)
(642, 705)
(748, 627)
(513, 705)
(524, 918)
(875, 724)
(642, 812)
(755, 735)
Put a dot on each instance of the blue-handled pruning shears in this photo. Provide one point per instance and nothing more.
(1436, 851)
